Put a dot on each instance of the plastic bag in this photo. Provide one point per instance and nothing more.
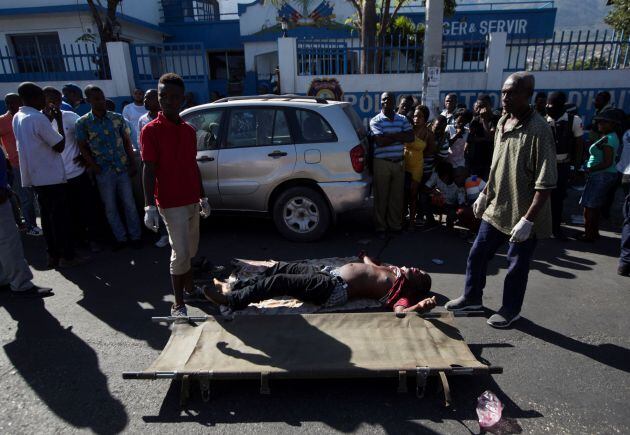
(489, 409)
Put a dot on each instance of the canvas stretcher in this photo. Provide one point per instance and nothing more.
(315, 346)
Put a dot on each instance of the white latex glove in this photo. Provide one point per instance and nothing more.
(479, 206)
(204, 211)
(151, 218)
(521, 231)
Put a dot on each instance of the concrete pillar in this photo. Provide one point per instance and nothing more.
(287, 61)
(121, 68)
(432, 55)
(495, 61)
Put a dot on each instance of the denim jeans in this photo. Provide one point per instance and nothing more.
(624, 258)
(519, 256)
(115, 187)
(27, 199)
(56, 220)
(301, 281)
(13, 268)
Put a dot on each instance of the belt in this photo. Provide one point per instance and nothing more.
(391, 159)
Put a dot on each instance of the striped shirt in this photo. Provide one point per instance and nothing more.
(382, 125)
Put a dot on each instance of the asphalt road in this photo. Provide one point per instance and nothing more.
(566, 363)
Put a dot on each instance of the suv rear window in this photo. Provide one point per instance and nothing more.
(313, 128)
(356, 121)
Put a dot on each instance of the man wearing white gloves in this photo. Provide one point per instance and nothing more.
(172, 181)
(514, 205)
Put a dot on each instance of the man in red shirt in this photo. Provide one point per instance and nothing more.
(26, 195)
(172, 181)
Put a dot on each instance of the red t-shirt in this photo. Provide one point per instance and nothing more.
(173, 149)
(402, 293)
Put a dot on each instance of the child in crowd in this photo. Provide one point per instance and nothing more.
(445, 195)
(457, 136)
(473, 186)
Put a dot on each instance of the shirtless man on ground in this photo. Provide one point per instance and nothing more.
(399, 288)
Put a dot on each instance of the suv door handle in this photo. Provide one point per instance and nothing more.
(277, 154)
(205, 159)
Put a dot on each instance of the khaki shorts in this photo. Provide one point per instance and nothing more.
(182, 224)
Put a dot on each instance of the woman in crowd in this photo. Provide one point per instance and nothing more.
(601, 170)
(415, 152)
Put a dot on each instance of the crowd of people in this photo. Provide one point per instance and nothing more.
(503, 176)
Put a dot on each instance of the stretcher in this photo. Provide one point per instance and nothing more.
(314, 346)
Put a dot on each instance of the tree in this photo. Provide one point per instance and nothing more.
(106, 20)
(374, 27)
(619, 17)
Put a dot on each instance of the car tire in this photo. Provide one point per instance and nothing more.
(301, 214)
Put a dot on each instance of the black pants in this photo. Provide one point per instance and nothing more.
(304, 282)
(82, 200)
(56, 222)
(558, 195)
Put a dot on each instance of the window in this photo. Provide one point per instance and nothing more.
(257, 127)
(474, 52)
(208, 126)
(227, 65)
(313, 127)
(38, 53)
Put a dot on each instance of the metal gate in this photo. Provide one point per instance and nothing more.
(188, 60)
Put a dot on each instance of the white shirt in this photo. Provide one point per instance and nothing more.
(577, 128)
(132, 113)
(624, 162)
(453, 194)
(456, 151)
(71, 150)
(144, 120)
(40, 165)
(450, 117)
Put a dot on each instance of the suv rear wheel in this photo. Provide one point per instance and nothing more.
(301, 214)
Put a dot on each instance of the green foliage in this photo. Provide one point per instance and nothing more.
(619, 17)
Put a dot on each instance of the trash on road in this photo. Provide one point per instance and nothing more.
(437, 261)
(489, 409)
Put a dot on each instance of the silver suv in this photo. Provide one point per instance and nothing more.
(301, 160)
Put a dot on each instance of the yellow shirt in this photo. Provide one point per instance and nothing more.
(414, 158)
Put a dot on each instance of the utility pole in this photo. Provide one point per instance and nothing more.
(432, 58)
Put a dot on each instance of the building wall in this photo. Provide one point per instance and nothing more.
(69, 27)
(145, 10)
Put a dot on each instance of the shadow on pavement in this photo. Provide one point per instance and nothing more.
(61, 369)
(608, 354)
(120, 289)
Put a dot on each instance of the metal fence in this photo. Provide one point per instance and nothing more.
(188, 60)
(464, 56)
(395, 54)
(53, 62)
(570, 50)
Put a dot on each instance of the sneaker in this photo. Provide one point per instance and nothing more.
(33, 292)
(196, 295)
(502, 320)
(624, 269)
(463, 304)
(162, 242)
(179, 311)
(35, 231)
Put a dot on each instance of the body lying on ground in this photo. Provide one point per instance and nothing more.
(401, 289)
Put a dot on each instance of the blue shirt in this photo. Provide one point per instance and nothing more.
(67, 107)
(382, 125)
(104, 137)
(596, 152)
(82, 108)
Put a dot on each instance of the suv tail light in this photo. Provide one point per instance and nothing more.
(357, 157)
